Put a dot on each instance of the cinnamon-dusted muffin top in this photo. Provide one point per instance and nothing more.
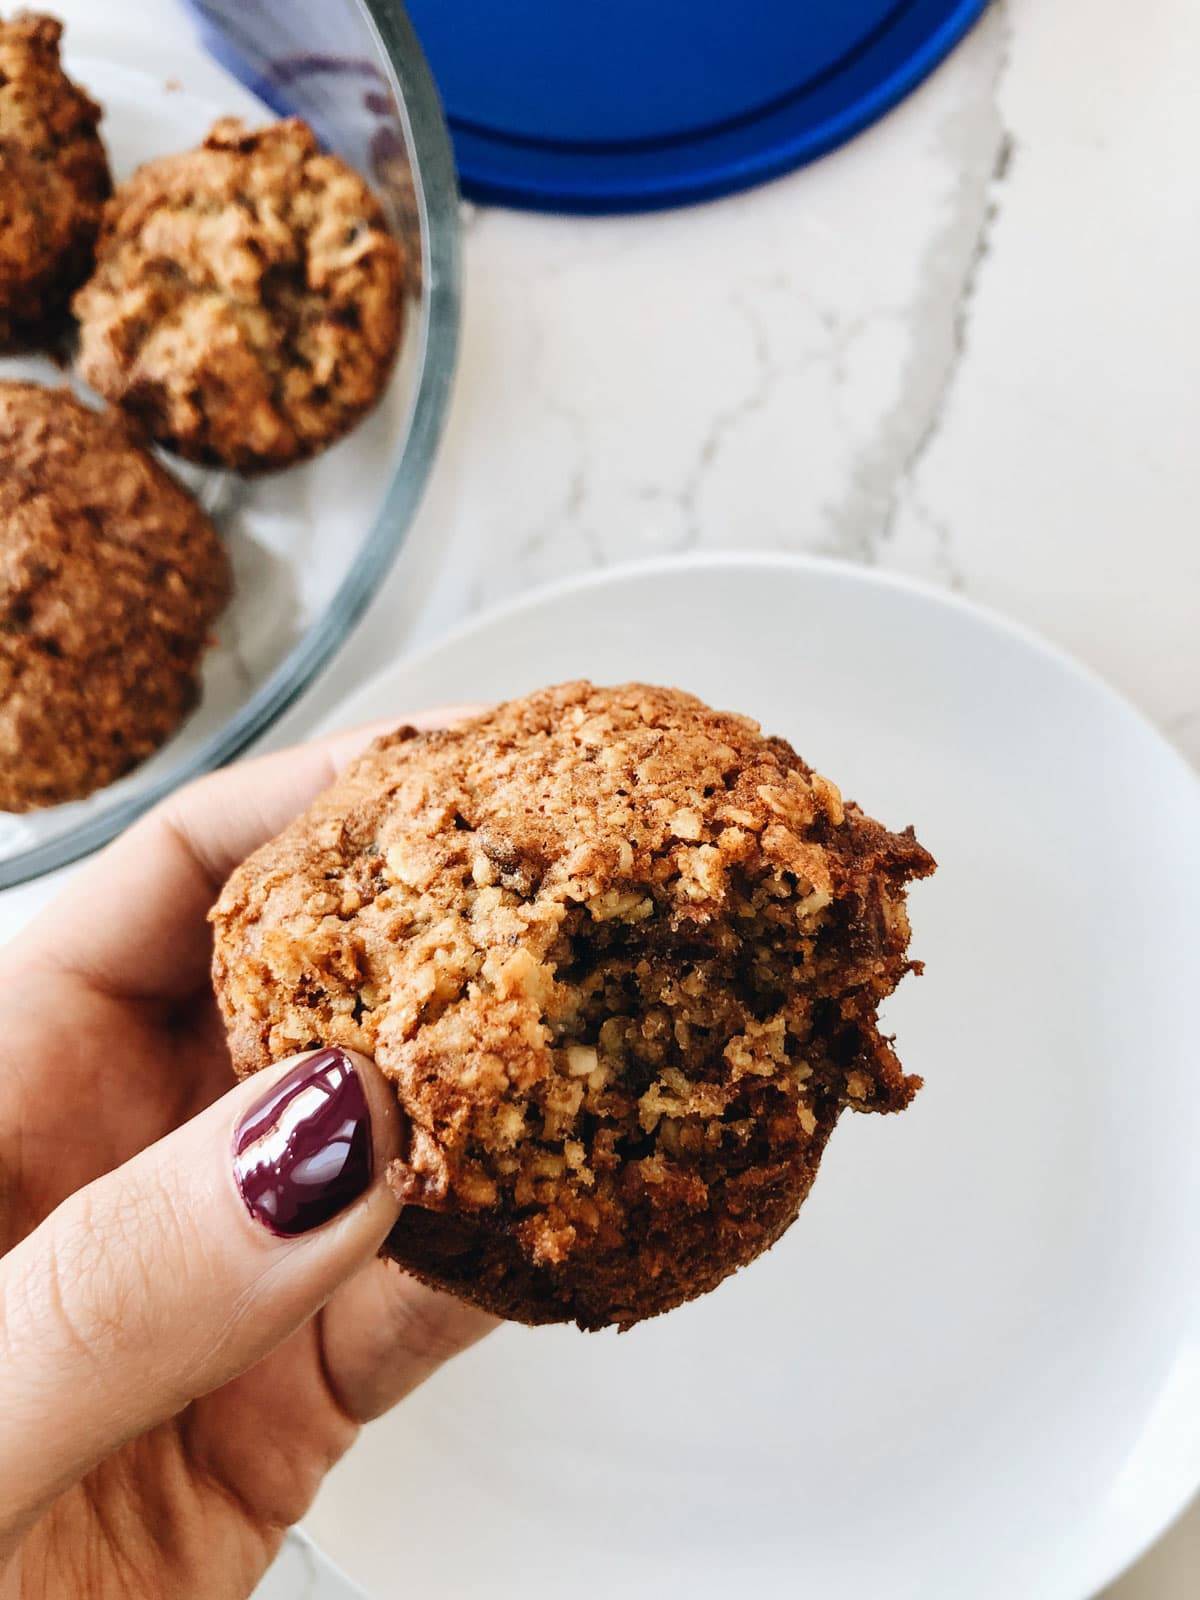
(110, 579)
(247, 302)
(620, 955)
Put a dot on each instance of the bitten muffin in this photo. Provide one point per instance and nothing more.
(110, 579)
(247, 302)
(54, 180)
(620, 955)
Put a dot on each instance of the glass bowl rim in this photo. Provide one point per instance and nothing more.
(436, 193)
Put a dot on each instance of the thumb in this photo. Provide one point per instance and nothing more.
(169, 1276)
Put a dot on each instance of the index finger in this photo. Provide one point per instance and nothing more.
(133, 922)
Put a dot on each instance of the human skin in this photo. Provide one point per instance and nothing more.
(175, 1377)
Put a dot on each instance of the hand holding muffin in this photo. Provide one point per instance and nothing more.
(183, 1362)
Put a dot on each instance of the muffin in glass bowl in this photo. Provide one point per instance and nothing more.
(307, 545)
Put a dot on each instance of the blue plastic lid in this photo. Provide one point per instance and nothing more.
(624, 105)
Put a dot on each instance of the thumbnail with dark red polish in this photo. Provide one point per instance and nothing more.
(303, 1153)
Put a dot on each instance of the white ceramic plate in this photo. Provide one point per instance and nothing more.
(972, 1368)
(301, 1572)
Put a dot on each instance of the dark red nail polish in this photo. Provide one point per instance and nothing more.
(304, 1153)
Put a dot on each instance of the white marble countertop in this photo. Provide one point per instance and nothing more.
(966, 347)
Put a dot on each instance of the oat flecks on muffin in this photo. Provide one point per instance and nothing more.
(248, 298)
(54, 180)
(110, 579)
(620, 955)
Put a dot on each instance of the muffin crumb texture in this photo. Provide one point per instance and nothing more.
(247, 302)
(54, 180)
(111, 577)
(621, 957)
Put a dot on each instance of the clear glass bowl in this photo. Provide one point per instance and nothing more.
(309, 546)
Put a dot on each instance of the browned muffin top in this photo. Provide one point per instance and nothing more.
(621, 956)
(110, 579)
(247, 303)
(54, 179)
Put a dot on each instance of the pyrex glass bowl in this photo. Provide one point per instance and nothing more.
(310, 545)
